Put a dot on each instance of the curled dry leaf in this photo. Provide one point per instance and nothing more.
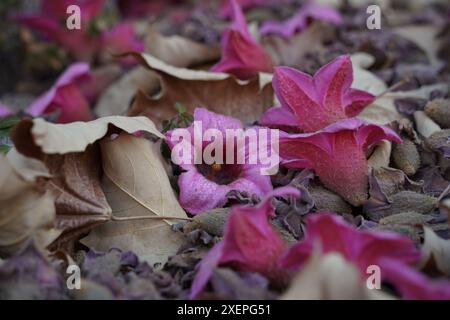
(26, 212)
(136, 185)
(218, 92)
(179, 51)
(425, 126)
(436, 251)
(330, 277)
(73, 160)
(36, 137)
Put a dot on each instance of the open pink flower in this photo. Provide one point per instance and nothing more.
(390, 251)
(65, 97)
(83, 44)
(337, 154)
(311, 103)
(204, 186)
(301, 20)
(249, 244)
(242, 56)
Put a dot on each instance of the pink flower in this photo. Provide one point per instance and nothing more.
(83, 44)
(392, 252)
(301, 20)
(249, 244)
(337, 154)
(242, 56)
(226, 9)
(4, 111)
(204, 186)
(312, 103)
(65, 97)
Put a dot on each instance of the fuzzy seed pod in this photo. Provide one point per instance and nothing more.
(328, 200)
(405, 201)
(438, 140)
(406, 157)
(439, 111)
(212, 221)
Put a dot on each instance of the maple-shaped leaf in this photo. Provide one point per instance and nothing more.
(242, 56)
(337, 154)
(249, 244)
(312, 103)
(301, 20)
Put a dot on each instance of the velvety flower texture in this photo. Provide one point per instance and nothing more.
(249, 244)
(392, 252)
(242, 56)
(203, 186)
(312, 103)
(337, 154)
(301, 20)
(84, 43)
(4, 111)
(65, 97)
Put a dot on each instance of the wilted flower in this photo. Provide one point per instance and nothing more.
(337, 154)
(86, 42)
(204, 186)
(249, 244)
(391, 252)
(301, 20)
(312, 103)
(242, 56)
(65, 97)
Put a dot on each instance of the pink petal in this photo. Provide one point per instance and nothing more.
(4, 111)
(65, 96)
(299, 21)
(48, 27)
(226, 9)
(57, 9)
(318, 101)
(362, 248)
(198, 194)
(328, 151)
(279, 117)
(242, 56)
(121, 39)
(249, 244)
(413, 285)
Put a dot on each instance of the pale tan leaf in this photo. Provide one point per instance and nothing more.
(179, 51)
(26, 212)
(424, 124)
(436, 251)
(218, 92)
(330, 277)
(136, 185)
(32, 137)
(28, 168)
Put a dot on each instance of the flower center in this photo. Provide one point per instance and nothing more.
(220, 173)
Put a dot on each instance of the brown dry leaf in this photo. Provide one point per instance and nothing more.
(35, 137)
(136, 185)
(179, 51)
(290, 52)
(330, 277)
(436, 251)
(218, 92)
(26, 212)
(73, 160)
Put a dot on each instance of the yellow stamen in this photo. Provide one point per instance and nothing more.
(216, 166)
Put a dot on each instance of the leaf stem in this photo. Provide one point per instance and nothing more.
(394, 86)
(115, 218)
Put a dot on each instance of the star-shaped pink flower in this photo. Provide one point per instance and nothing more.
(242, 56)
(312, 103)
(337, 154)
(249, 244)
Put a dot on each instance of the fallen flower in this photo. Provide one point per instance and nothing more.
(65, 97)
(204, 186)
(226, 9)
(84, 43)
(312, 103)
(337, 154)
(301, 20)
(4, 111)
(249, 244)
(242, 56)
